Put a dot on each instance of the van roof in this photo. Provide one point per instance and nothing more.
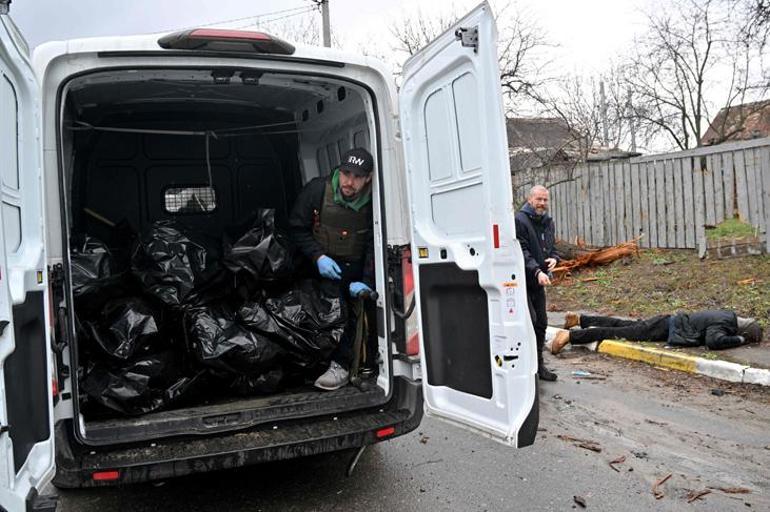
(46, 52)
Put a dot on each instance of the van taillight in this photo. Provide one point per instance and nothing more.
(105, 476)
(225, 40)
(407, 280)
(385, 432)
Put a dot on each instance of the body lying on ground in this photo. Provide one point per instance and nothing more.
(714, 329)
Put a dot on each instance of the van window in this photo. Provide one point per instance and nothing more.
(192, 199)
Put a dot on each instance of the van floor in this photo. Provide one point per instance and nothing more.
(233, 414)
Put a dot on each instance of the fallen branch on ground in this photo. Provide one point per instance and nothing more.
(596, 257)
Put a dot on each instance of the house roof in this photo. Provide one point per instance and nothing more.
(538, 133)
(533, 142)
(739, 122)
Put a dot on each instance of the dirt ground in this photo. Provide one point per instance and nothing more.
(665, 281)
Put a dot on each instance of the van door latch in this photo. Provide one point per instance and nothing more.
(468, 37)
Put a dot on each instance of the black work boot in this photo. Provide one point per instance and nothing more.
(546, 374)
(543, 372)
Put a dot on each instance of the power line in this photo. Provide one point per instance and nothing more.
(303, 8)
(260, 21)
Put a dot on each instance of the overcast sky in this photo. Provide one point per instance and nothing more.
(587, 32)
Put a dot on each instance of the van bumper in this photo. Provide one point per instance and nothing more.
(170, 458)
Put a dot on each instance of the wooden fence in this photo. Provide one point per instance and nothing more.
(668, 198)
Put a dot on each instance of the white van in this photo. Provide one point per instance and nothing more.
(91, 136)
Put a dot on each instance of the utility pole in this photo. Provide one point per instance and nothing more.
(326, 24)
(603, 107)
(632, 125)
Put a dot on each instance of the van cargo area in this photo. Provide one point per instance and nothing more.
(190, 312)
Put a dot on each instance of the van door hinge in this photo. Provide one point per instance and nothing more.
(468, 37)
(4, 428)
(4, 5)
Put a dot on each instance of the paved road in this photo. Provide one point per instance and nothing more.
(662, 422)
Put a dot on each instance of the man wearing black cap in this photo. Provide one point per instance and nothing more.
(331, 224)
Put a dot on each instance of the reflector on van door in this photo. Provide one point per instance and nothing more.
(225, 40)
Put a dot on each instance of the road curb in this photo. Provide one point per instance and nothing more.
(717, 369)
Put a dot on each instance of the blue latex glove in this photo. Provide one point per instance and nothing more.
(357, 288)
(328, 268)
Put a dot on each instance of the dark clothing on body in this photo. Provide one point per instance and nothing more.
(536, 235)
(715, 329)
(318, 226)
(597, 328)
(304, 226)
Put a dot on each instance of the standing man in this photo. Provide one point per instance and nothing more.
(536, 234)
(331, 224)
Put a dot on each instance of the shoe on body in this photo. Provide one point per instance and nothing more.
(559, 342)
(333, 378)
(571, 319)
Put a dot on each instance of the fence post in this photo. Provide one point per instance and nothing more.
(700, 211)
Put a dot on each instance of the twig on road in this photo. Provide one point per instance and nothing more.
(582, 443)
(659, 494)
(732, 490)
(619, 460)
(696, 495)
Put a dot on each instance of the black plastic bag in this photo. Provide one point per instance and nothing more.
(263, 252)
(262, 383)
(168, 263)
(219, 342)
(90, 263)
(308, 320)
(145, 385)
(125, 327)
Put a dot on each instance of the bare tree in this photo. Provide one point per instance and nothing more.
(519, 42)
(693, 60)
(592, 120)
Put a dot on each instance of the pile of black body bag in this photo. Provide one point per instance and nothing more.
(180, 319)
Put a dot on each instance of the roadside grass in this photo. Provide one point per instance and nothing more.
(730, 228)
(659, 281)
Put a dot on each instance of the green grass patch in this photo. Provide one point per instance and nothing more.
(731, 228)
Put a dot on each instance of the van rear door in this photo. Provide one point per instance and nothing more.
(477, 342)
(26, 411)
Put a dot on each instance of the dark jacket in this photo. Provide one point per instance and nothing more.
(309, 201)
(537, 236)
(715, 329)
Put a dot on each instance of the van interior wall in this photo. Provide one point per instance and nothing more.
(126, 177)
(119, 182)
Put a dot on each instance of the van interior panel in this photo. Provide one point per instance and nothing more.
(135, 141)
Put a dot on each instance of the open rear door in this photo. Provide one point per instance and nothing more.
(477, 342)
(26, 431)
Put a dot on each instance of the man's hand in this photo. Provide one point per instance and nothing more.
(328, 268)
(358, 288)
(551, 263)
(543, 279)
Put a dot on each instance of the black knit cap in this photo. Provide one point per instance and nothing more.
(357, 161)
